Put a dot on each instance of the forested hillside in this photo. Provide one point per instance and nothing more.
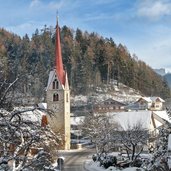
(90, 60)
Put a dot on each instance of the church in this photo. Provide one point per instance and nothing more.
(58, 97)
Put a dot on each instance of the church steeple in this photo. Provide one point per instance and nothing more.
(58, 57)
(58, 97)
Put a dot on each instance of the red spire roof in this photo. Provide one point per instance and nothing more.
(58, 57)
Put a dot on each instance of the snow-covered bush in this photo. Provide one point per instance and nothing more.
(160, 156)
(25, 144)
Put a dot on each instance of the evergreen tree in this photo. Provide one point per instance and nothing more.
(90, 61)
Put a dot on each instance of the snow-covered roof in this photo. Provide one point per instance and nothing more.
(130, 119)
(147, 99)
(155, 98)
(31, 115)
(42, 105)
(162, 114)
(51, 76)
(151, 99)
(112, 100)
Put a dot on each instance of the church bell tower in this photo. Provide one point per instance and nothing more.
(58, 97)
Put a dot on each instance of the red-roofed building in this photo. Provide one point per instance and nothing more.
(58, 96)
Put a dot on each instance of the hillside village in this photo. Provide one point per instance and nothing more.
(113, 118)
(113, 109)
(85, 85)
(126, 107)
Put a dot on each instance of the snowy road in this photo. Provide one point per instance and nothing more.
(74, 160)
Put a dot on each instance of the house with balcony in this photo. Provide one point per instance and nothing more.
(108, 105)
(148, 103)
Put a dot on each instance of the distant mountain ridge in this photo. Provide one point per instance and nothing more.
(168, 78)
(160, 71)
(166, 75)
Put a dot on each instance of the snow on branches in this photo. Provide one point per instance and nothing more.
(99, 129)
(24, 143)
(133, 140)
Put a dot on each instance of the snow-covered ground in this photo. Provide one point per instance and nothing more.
(95, 166)
(120, 93)
(90, 165)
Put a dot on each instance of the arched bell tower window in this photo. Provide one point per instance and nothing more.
(55, 97)
(55, 84)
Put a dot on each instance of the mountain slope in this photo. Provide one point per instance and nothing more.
(91, 61)
(168, 79)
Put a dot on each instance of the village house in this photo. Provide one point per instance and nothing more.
(108, 105)
(149, 120)
(148, 103)
(105, 106)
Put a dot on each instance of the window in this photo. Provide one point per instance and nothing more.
(141, 102)
(67, 97)
(153, 105)
(157, 106)
(55, 84)
(55, 97)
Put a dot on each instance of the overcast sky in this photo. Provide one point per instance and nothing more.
(143, 26)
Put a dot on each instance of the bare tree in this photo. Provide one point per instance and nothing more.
(6, 93)
(106, 135)
(133, 140)
(25, 144)
(99, 129)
